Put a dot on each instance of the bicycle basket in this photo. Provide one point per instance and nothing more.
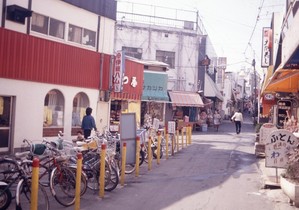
(38, 149)
(58, 144)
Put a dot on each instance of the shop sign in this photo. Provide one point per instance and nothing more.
(133, 81)
(266, 40)
(171, 127)
(265, 131)
(118, 71)
(278, 144)
(269, 97)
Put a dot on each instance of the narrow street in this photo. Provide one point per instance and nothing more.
(217, 171)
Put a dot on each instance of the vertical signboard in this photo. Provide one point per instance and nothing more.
(267, 40)
(128, 135)
(278, 144)
(171, 127)
(118, 71)
(283, 106)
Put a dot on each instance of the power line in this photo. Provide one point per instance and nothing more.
(256, 21)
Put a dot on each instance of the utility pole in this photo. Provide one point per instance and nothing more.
(254, 99)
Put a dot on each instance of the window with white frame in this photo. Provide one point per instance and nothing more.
(39, 23)
(46, 25)
(75, 34)
(166, 57)
(89, 37)
(57, 28)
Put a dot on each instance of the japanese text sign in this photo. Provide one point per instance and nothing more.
(278, 144)
(118, 71)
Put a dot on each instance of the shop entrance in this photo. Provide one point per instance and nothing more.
(6, 103)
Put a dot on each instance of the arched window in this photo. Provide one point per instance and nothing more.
(80, 103)
(53, 113)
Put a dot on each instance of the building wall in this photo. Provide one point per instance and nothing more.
(70, 15)
(33, 64)
(29, 107)
(152, 38)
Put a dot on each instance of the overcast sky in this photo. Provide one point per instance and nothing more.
(234, 26)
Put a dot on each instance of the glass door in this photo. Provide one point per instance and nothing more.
(5, 122)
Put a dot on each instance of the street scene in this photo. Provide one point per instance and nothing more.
(219, 170)
(134, 104)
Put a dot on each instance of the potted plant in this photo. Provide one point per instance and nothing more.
(289, 180)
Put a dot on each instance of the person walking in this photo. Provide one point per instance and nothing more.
(88, 123)
(238, 119)
(216, 119)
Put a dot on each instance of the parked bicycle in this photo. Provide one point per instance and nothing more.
(18, 181)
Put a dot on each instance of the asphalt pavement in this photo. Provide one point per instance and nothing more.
(219, 181)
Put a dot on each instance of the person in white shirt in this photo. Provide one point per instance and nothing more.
(238, 119)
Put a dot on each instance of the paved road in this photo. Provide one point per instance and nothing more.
(217, 171)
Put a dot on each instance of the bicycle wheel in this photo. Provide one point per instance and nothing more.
(94, 176)
(155, 151)
(5, 197)
(114, 180)
(63, 186)
(23, 196)
(83, 184)
(8, 170)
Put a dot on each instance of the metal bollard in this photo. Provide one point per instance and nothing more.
(149, 154)
(177, 141)
(78, 181)
(167, 136)
(172, 144)
(158, 148)
(34, 184)
(137, 155)
(123, 164)
(190, 134)
(102, 171)
(182, 137)
(186, 133)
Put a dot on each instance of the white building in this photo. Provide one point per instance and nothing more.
(54, 56)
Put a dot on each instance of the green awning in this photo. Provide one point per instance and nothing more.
(155, 86)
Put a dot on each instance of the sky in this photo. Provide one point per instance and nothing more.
(234, 26)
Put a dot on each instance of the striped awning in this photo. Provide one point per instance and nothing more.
(189, 99)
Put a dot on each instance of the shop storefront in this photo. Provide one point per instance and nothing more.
(185, 107)
(154, 97)
(126, 95)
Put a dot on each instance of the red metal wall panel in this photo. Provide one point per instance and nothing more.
(25, 57)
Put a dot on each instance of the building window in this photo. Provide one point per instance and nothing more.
(57, 28)
(46, 25)
(89, 37)
(40, 23)
(133, 52)
(166, 57)
(53, 109)
(75, 34)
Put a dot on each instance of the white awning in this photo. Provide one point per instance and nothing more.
(189, 99)
(211, 89)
